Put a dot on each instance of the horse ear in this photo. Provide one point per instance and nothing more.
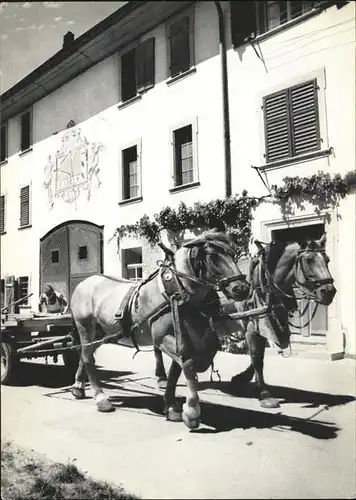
(303, 244)
(322, 241)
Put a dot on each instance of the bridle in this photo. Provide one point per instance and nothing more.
(317, 283)
(308, 288)
(220, 284)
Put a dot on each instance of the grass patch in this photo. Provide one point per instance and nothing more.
(26, 475)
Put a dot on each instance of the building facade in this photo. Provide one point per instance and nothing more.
(132, 117)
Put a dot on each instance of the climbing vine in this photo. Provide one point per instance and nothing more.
(321, 190)
(234, 214)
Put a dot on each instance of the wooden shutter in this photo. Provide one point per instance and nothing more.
(26, 131)
(3, 143)
(145, 65)
(2, 214)
(243, 21)
(128, 75)
(277, 126)
(25, 206)
(304, 116)
(179, 46)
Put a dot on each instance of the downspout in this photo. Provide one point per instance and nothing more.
(225, 92)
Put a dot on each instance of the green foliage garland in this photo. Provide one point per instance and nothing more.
(319, 189)
(234, 214)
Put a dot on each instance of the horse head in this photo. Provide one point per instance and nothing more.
(312, 271)
(213, 259)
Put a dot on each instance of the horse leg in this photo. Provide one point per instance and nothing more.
(87, 334)
(78, 388)
(160, 371)
(172, 409)
(256, 346)
(191, 408)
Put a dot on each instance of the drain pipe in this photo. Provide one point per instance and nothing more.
(225, 91)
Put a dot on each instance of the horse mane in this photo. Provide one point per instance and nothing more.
(215, 238)
(274, 252)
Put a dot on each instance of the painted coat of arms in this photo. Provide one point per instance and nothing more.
(73, 169)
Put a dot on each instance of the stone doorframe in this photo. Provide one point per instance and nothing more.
(334, 335)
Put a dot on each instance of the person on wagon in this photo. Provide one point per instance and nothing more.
(54, 302)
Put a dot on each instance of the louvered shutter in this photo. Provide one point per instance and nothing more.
(26, 131)
(179, 46)
(277, 126)
(141, 67)
(2, 214)
(128, 75)
(150, 62)
(145, 65)
(25, 206)
(243, 21)
(305, 119)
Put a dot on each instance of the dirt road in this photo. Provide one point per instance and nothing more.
(305, 449)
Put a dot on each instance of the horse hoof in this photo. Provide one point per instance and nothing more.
(77, 393)
(162, 383)
(173, 415)
(104, 406)
(269, 403)
(191, 423)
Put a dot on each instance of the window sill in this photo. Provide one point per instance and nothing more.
(129, 201)
(3, 162)
(25, 152)
(28, 226)
(183, 187)
(181, 76)
(134, 99)
(289, 24)
(2, 233)
(285, 162)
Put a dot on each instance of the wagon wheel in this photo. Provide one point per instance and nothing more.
(9, 363)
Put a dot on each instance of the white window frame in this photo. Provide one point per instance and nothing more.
(29, 184)
(26, 305)
(193, 122)
(138, 144)
(186, 13)
(320, 76)
(135, 266)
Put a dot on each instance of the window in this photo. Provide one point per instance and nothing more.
(252, 18)
(2, 214)
(180, 45)
(25, 206)
(3, 143)
(23, 288)
(138, 69)
(26, 130)
(55, 256)
(132, 263)
(131, 175)
(291, 121)
(183, 156)
(82, 252)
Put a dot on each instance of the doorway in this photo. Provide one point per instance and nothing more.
(69, 253)
(316, 328)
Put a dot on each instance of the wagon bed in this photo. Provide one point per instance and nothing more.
(33, 335)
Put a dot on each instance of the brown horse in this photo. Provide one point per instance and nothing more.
(173, 307)
(273, 274)
(278, 268)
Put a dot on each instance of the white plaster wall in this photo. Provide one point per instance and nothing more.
(325, 44)
(91, 101)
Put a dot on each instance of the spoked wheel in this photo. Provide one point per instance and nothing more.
(9, 362)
